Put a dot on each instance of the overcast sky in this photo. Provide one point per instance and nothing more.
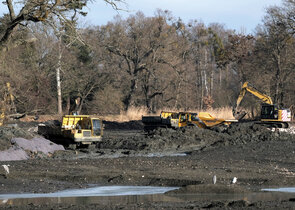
(234, 14)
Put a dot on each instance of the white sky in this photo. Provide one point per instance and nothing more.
(234, 14)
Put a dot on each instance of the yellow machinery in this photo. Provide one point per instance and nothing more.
(165, 120)
(183, 119)
(8, 100)
(83, 129)
(2, 114)
(270, 113)
(206, 120)
(75, 130)
(176, 120)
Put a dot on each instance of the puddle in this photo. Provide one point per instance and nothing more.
(165, 155)
(110, 195)
(95, 191)
(283, 189)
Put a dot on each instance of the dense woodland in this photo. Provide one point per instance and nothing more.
(159, 62)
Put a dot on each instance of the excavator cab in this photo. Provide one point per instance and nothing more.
(269, 111)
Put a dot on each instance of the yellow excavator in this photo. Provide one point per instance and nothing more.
(271, 114)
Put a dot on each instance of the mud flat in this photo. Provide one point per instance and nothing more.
(258, 157)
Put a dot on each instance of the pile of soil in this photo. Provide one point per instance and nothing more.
(12, 131)
(193, 138)
(20, 142)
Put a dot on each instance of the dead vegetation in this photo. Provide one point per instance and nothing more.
(135, 113)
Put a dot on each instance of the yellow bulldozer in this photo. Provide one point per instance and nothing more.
(271, 114)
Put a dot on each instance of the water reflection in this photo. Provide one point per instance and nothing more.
(95, 191)
(283, 189)
(90, 198)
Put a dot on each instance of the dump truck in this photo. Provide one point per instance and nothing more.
(74, 130)
(183, 119)
(165, 120)
(271, 114)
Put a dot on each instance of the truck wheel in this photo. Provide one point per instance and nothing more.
(98, 144)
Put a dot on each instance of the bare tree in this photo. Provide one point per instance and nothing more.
(42, 11)
(275, 36)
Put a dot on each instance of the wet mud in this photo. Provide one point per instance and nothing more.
(256, 156)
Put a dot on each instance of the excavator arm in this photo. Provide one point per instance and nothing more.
(251, 89)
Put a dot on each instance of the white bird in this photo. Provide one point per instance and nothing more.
(235, 179)
(214, 179)
(6, 168)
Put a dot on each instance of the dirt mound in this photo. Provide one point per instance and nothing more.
(12, 131)
(13, 153)
(194, 138)
(23, 149)
(37, 145)
(241, 133)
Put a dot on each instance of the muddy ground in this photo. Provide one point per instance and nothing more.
(187, 158)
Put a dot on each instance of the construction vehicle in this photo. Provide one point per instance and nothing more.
(74, 130)
(183, 119)
(271, 114)
(7, 106)
(206, 120)
(165, 120)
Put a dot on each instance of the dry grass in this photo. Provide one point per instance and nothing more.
(135, 113)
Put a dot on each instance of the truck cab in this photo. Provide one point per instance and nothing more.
(82, 129)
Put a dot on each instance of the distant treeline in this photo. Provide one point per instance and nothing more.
(155, 62)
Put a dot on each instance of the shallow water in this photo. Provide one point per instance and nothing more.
(283, 189)
(109, 195)
(95, 191)
(165, 155)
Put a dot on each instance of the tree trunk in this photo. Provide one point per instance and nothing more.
(220, 78)
(127, 99)
(68, 107)
(81, 102)
(205, 74)
(58, 83)
(278, 84)
(212, 82)
(202, 90)
(177, 94)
